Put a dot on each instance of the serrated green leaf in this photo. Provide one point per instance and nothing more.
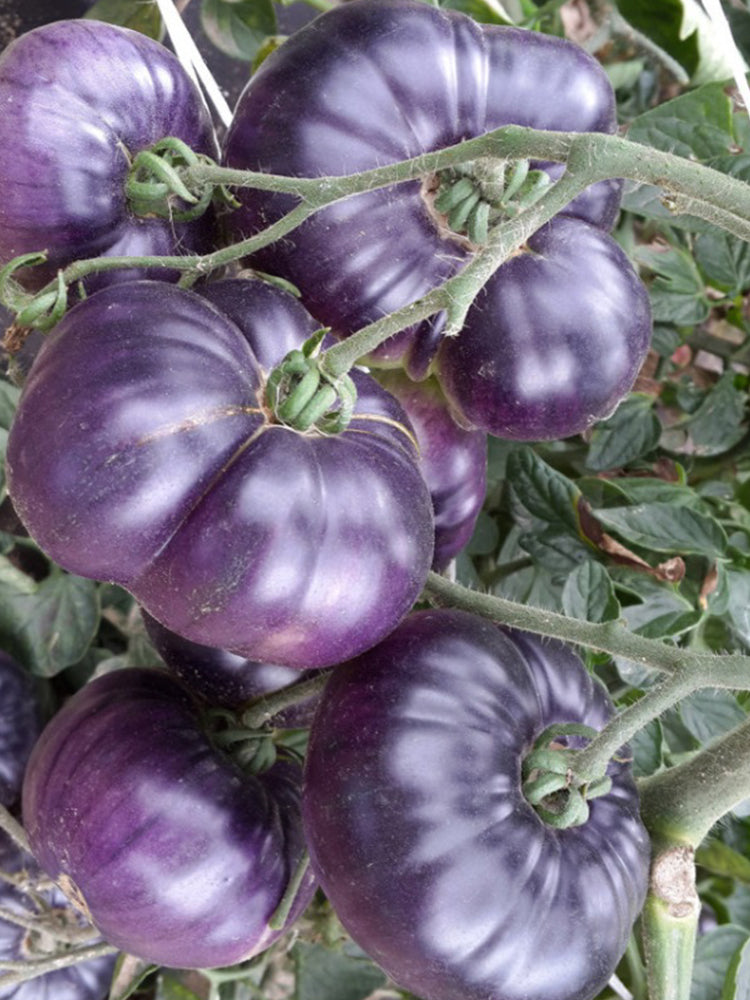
(589, 594)
(51, 626)
(637, 490)
(724, 260)
(665, 613)
(713, 953)
(322, 972)
(633, 430)
(721, 859)
(647, 748)
(678, 293)
(238, 27)
(554, 550)
(661, 527)
(541, 491)
(698, 125)
(708, 713)
(717, 424)
(143, 17)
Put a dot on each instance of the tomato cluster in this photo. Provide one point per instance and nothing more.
(163, 442)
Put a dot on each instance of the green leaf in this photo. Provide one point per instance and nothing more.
(637, 490)
(724, 260)
(709, 713)
(541, 491)
(483, 11)
(721, 859)
(697, 125)
(50, 625)
(713, 953)
(8, 403)
(663, 24)
(717, 424)
(678, 292)
(589, 594)
(665, 613)
(143, 17)
(170, 987)
(554, 550)
(662, 527)
(335, 975)
(737, 982)
(647, 748)
(239, 29)
(129, 974)
(633, 430)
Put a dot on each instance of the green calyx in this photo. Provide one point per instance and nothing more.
(40, 311)
(550, 784)
(476, 195)
(156, 184)
(301, 395)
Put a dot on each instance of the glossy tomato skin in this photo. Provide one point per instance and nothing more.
(142, 453)
(554, 340)
(20, 725)
(423, 840)
(183, 859)
(219, 677)
(80, 98)
(83, 981)
(374, 82)
(454, 462)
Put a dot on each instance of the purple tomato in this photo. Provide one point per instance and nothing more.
(421, 835)
(219, 677)
(378, 81)
(20, 725)
(183, 859)
(143, 453)
(454, 462)
(80, 99)
(554, 340)
(88, 980)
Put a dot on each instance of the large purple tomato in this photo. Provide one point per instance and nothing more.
(142, 452)
(179, 855)
(377, 81)
(89, 980)
(20, 725)
(454, 462)
(421, 835)
(80, 99)
(222, 678)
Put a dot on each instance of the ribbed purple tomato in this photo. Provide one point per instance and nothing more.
(88, 980)
(142, 452)
(80, 99)
(374, 82)
(20, 725)
(423, 839)
(554, 340)
(454, 462)
(219, 677)
(180, 856)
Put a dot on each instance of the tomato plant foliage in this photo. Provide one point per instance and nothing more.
(447, 618)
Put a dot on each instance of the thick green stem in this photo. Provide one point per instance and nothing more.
(732, 671)
(258, 711)
(669, 922)
(591, 762)
(681, 804)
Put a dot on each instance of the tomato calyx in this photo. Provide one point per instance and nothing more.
(303, 396)
(155, 185)
(550, 784)
(467, 200)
